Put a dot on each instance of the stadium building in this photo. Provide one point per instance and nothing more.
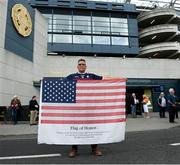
(45, 38)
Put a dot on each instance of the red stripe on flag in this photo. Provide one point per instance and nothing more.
(81, 114)
(101, 94)
(81, 107)
(82, 121)
(100, 101)
(104, 80)
(99, 87)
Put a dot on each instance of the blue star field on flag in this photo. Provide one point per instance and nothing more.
(58, 91)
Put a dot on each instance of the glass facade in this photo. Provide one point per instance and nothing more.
(82, 24)
(62, 23)
(101, 25)
(87, 29)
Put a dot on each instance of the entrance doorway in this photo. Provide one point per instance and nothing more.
(139, 91)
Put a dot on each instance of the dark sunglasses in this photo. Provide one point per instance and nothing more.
(82, 64)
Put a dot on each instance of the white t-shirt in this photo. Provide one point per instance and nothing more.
(163, 102)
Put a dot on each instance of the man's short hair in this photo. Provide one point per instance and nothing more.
(81, 60)
(33, 97)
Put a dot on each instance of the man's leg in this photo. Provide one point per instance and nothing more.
(133, 111)
(173, 114)
(160, 112)
(95, 150)
(31, 117)
(35, 117)
(73, 151)
(15, 116)
(164, 109)
(171, 118)
(176, 112)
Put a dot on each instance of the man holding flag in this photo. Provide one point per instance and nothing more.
(82, 109)
(81, 74)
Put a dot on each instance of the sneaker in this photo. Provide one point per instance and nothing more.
(72, 153)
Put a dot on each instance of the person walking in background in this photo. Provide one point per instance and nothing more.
(134, 103)
(162, 104)
(145, 106)
(172, 101)
(34, 107)
(14, 108)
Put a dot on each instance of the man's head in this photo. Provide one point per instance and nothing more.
(15, 97)
(81, 65)
(144, 96)
(34, 97)
(171, 91)
(162, 94)
(133, 94)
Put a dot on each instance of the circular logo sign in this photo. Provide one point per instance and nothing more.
(21, 19)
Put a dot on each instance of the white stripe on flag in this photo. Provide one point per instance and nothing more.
(101, 84)
(85, 104)
(100, 97)
(83, 118)
(84, 111)
(101, 91)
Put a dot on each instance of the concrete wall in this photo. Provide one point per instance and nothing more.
(16, 73)
(117, 67)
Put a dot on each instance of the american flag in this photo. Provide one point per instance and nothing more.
(82, 101)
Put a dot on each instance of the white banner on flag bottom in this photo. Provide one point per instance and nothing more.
(72, 134)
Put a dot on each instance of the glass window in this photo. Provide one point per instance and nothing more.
(49, 19)
(82, 23)
(104, 40)
(119, 25)
(62, 23)
(81, 39)
(62, 38)
(101, 25)
(49, 37)
(120, 41)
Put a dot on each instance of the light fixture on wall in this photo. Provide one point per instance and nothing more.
(152, 21)
(153, 37)
(155, 54)
(95, 55)
(52, 53)
(124, 56)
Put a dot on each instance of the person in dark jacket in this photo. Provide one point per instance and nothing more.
(134, 103)
(14, 108)
(162, 104)
(172, 105)
(81, 74)
(34, 107)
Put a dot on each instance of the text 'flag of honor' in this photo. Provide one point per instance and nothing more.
(82, 111)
